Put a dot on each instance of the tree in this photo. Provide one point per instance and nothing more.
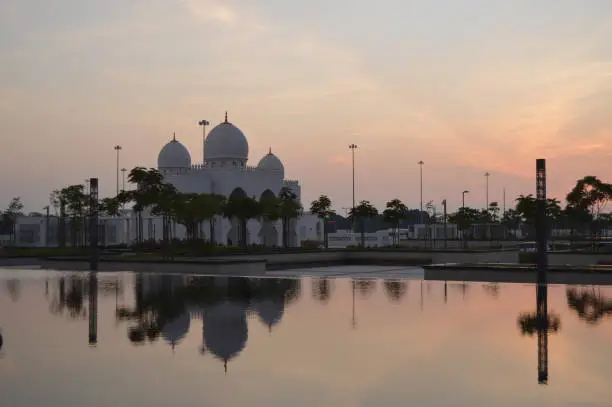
(526, 208)
(289, 209)
(242, 208)
(148, 187)
(464, 218)
(10, 215)
(321, 207)
(393, 214)
(589, 195)
(364, 210)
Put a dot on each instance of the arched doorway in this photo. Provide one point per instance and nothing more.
(268, 234)
(235, 233)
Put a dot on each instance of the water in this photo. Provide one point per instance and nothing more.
(161, 341)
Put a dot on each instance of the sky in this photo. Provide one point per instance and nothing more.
(468, 87)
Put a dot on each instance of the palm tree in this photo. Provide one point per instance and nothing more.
(394, 213)
(365, 210)
(289, 209)
(322, 208)
(270, 212)
(148, 187)
(242, 208)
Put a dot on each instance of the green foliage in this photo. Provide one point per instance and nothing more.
(321, 207)
(393, 214)
(364, 210)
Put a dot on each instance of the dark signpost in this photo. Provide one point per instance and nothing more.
(542, 273)
(93, 224)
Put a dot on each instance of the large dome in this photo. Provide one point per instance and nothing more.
(174, 155)
(225, 330)
(224, 142)
(271, 162)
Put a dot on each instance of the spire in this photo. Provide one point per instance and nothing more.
(269, 150)
(226, 117)
(173, 136)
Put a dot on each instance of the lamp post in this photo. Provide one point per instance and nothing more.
(123, 171)
(117, 149)
(203, 123)
(487, 175)
(463, 215)
(353, 147)
(421, 163)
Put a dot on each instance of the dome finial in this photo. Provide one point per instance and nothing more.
(226, 117)
(269, 150)
(173, 136)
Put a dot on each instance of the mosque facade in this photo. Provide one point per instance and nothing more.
(225, 171)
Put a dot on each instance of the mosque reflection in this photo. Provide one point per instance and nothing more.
(165, 305)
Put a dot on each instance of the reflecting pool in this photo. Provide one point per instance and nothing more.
(123, 339)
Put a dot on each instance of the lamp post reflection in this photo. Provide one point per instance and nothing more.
(93, 308)
(354, 318)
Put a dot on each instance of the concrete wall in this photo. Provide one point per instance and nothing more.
(236, 269)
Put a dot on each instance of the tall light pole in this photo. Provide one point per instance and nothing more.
(123, 171)
(487, 175)
(203, 123)
(463, 198)
(353, 147)
(117, 149)
(421, 163)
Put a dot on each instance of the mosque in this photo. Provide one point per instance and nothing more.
(224, 171)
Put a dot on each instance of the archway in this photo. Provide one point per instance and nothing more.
(268, 234)
(235, 233)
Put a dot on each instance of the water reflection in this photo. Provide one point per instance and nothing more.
(395, 289)
(13, 288)
(589, 303)
(322, 289)
(258, 332)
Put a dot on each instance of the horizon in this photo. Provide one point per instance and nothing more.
(472, 87)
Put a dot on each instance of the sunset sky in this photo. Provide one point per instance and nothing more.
(467, 86)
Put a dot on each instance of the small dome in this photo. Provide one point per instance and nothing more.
(176, 329)
(226, 141)
(271, 162)
(270, 312)
(174, 155)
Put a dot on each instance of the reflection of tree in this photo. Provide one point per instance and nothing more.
(395, 289)
(71, 292)
(492, 289)
(529, 323)
(14, 289)
(366, 287)
(590, 304)
(463, 288)
(322, 289)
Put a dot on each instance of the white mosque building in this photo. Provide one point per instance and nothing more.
(225, 171)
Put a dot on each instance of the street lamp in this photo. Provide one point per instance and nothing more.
(421, 163)
(123, 171)
(117, 149)
(463, 198)
(353, 147)
(203, 123)
(487, 175)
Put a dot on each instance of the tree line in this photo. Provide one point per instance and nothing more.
(583, 214)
